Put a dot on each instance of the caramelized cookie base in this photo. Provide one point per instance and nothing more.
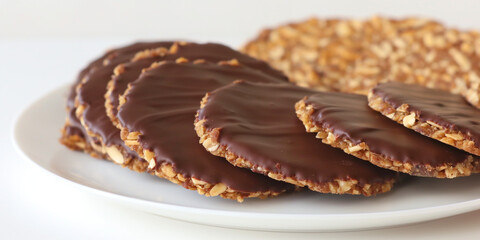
(297, 159)
(362, 151)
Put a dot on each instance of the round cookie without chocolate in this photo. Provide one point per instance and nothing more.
(351, 55)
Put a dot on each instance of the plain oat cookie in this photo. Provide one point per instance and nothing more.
(345, 121)
(350, 55)
(253, 126)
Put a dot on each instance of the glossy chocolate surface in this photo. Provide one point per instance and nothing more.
(448, 110)
(75, 127)
(349, 116)
(211, 52)
(161, 105)
(258, 122)
(92, 92)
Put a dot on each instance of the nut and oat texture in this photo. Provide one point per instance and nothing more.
(156, 115)
(253, 126)
(73, 135)
(345, 121)
(90, 108)
(351, 55)
(434, 113)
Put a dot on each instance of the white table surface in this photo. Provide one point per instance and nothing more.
(35, 205)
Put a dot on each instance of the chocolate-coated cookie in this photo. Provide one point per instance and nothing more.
(254, 126)
(156, 115)
(90, 107)
(212, 52)
(345, 121)
(440, 115)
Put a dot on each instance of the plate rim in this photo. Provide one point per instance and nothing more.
(426, 213)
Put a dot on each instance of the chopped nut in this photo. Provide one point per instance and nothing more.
(181, 177)
(151, 164)
(121, 100)
(115, 154)
(148, 155)
(133, 135)
(80, 145)
(455, 137)
(461, 60)
(434, 124)
(403, 108)
(131, 142)
(409, 120)
(322, 135)
(218, 189)
(119, 69)
(181, 60)
(168, 170)
(355, 148)
(210, 145)
(198, 181)
(330, 137)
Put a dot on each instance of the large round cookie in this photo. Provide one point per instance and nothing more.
(156, 115)
(254, 126)
(353, 56)
(440, 115)
(212, 52)
(100, 126)
(90, 108)
(345, 121)
(74, 134)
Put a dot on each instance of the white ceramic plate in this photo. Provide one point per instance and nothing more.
(36, 135)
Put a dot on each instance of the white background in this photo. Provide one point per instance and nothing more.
(44, 43)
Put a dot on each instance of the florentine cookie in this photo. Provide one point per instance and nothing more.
(434, 113)
(156, 115)
(353, 56)
(90, 108)
(345, 121)
(254, 126)
(74, 135)
(212, 52)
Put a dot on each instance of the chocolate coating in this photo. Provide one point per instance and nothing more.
(350, 117)
(211, 52)
(258, 122)
(75, 127)
(161, 105)
(91, 94)
(443, 108)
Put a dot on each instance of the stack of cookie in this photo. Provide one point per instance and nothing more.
(217, 121)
